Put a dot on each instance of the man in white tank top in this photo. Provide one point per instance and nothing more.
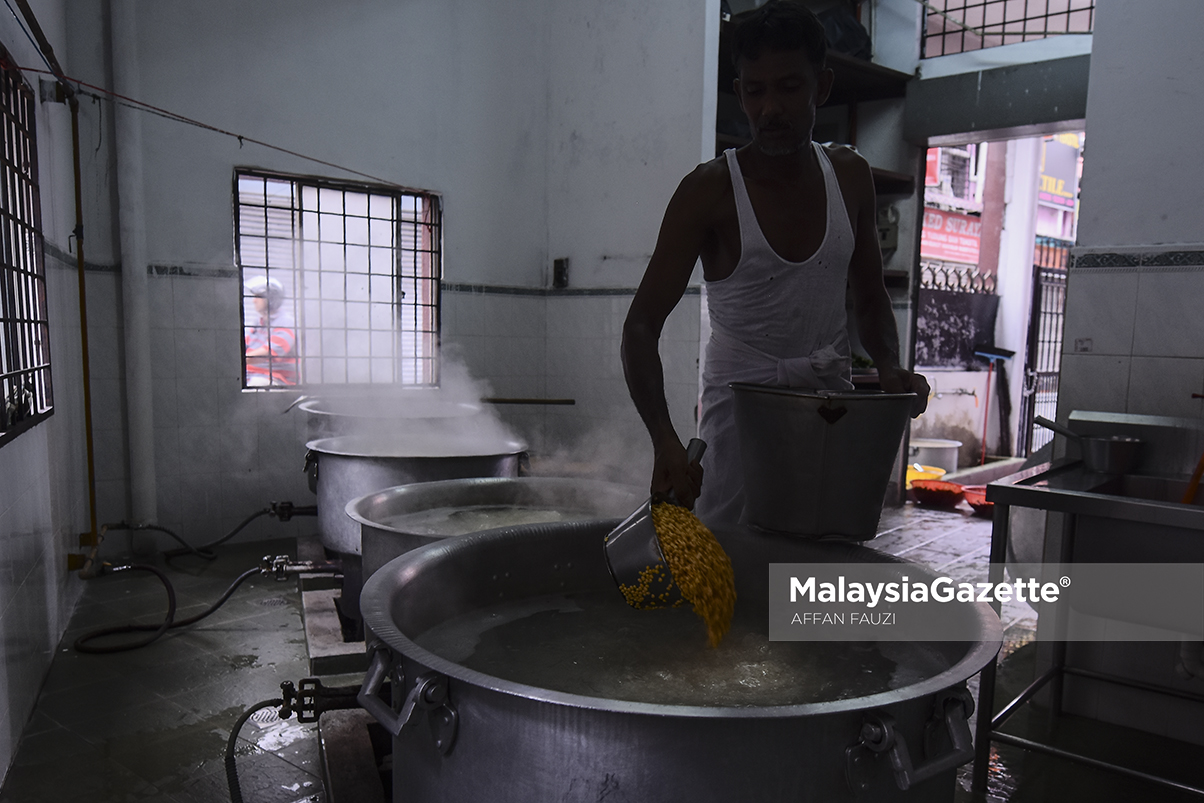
(782, 226)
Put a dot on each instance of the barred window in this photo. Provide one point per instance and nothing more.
(25, 388)
(340, 281)
(957, 26)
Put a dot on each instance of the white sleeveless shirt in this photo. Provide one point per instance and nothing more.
(773, 322)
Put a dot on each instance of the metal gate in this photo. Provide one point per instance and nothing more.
(1044, 359)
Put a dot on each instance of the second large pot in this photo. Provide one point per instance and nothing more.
(395, 520)
(344, 468)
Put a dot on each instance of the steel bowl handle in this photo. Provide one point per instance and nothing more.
(1058, 428)
(694, 452)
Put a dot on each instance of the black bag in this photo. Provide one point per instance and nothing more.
(845, 34)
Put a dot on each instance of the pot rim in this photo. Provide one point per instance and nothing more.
(445, 409)
(356, 508)
(367, 446)
(380, 623)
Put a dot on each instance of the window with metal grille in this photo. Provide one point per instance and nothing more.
(957, 26)
(25, 390)
(340, 281)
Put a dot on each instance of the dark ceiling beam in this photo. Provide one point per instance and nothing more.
(1018, 100)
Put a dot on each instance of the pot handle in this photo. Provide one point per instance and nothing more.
(311, 469)
(428, 694)
(374, 678)
(878, 736)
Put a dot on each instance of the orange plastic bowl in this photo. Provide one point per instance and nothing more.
(976, 496)
(937, 493)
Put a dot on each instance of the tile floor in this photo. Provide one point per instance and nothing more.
(151, 725)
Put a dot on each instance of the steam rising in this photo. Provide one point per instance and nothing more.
(438, 421)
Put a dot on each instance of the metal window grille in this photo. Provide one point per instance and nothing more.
(1044, 359)
(957, 26)
(25, 387)
(349, 274)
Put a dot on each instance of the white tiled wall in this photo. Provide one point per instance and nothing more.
(43, 508)
(1134, 340)
(222, 453)
(567, 346)
(501, 340)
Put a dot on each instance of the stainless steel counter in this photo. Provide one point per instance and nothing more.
(1107, 518)
(1065, 486)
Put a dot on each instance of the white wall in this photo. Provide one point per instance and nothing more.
(549, 129)
(631, 101)
(1138, 187)
(1134, 334)
(43, 500)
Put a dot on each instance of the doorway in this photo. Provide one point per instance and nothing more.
(1000, 218)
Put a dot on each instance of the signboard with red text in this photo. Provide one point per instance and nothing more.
(950, 236)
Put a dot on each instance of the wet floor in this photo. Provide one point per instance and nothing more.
(151, 725)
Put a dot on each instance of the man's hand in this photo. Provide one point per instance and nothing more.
(671, 473)
(900, 380)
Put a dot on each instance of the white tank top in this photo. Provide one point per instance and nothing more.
(786, 309)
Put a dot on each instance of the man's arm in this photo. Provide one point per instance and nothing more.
(876, 325)
(678, 247)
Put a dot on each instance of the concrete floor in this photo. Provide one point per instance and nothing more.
(151, 724)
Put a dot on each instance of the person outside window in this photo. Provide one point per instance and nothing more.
(271, 341)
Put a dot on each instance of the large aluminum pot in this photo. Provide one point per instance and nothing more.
(463, 735)
(396, 520)
(344, 468)
(396, 411)
(817, 462)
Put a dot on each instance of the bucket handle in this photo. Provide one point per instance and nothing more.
(429, 693)
(954, 706)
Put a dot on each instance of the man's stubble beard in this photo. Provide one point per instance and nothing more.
(779, 150)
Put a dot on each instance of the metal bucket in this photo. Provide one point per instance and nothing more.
(817, 462)
(939, 452)
(462, 734)
(396, 520)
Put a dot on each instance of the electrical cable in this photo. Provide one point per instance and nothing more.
(29, 36)
(231, 744)
(168, 623)
(122, 100)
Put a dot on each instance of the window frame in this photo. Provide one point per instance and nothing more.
(24, 308)
(431, 201)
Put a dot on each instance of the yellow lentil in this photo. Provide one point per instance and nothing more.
(699, 565)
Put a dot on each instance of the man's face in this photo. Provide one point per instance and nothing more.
(779, 92)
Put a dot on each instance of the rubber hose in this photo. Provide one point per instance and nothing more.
(232, 743)
(81, 643)
(159, 630)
